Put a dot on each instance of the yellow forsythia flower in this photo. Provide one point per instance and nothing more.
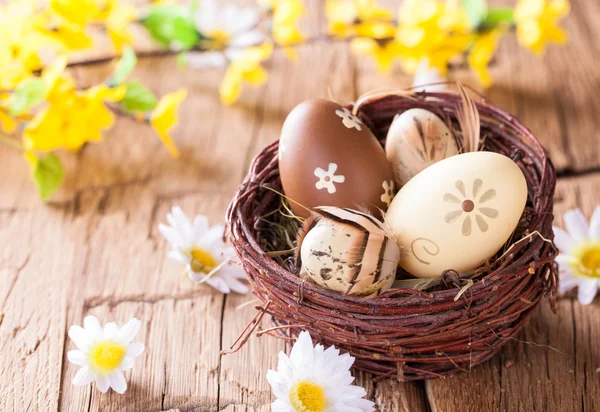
(481, 53)
(537, 23)
(19, 43)
(358, 17)
(164, 118)
(434, 30)
(118, 16)
(245, 68)
(76, 12)
(73, 118)
(384, 53)
(286, 16)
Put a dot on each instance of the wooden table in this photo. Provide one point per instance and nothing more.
(95, 248)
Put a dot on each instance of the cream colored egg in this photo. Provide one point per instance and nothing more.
(457, 213)
(417, 139)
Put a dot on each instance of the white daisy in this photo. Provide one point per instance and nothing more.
(104, 354)
(202, 249)
(225, 30)
(313, 379)
(579, 258)
(426, 77)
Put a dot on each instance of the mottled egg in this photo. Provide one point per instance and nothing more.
(329, 157)
(457, 213)
(347, 251)
(417, 139)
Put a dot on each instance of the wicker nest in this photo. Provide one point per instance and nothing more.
(407, 333)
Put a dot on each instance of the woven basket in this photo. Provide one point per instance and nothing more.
(407, 333)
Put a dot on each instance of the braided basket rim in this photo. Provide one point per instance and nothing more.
(406, 333)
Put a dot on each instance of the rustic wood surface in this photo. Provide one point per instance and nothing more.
(95, 248)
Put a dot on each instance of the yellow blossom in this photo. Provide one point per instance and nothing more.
(285, 31)
(537, 23)
(19, 43)
(433, 30)
(245, 68)
(77, 12)
(67, 36)
(118, 16)
(164, 118)
(358, 17)
(72, 118)
(7, 124)
(481, 53)
(384, 52)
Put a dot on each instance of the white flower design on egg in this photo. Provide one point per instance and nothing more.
(327, 179)
(388, 192)
(349, 120)
(471, 206)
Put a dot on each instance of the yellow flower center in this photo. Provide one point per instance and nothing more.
(590, 260)
(107, 355)
(202, 260)
(307, 397)
(219, 40)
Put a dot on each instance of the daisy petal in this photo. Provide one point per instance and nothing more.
(77, 357)
(566, 282)
(595, 224)
(576, 224)
(83, 377)
(110, 330)
(587, 291)
(80, 337)
(563, 241)
(238, 286)
(117, 382)
(102, 383)
(281, 406)
(219, 284)
(135, 349)
(92, 326)
(126, 363)
(126, 334)
(246, 20)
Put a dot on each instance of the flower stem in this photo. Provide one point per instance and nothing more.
(9, 141)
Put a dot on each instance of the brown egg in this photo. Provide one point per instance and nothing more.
(328, 157)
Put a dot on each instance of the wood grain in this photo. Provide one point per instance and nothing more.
(95, 248)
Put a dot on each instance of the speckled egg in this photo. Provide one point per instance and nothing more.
(329, 157)
(457, 213)
(347, 251)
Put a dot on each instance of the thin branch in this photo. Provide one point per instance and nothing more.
(9, 141)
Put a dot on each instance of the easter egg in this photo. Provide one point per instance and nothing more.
(347, 251)
(457, 213)
(417, 139)
(329, 157)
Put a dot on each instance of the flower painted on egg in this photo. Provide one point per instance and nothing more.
(349, 119)
(328, 178)
(471, 207)
(388, 192)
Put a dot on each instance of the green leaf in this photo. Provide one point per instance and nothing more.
(28, 93)
(47, 174)
(476, 11)
(124, 67)
(171, 25)
(496, 17)
(138, 98)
